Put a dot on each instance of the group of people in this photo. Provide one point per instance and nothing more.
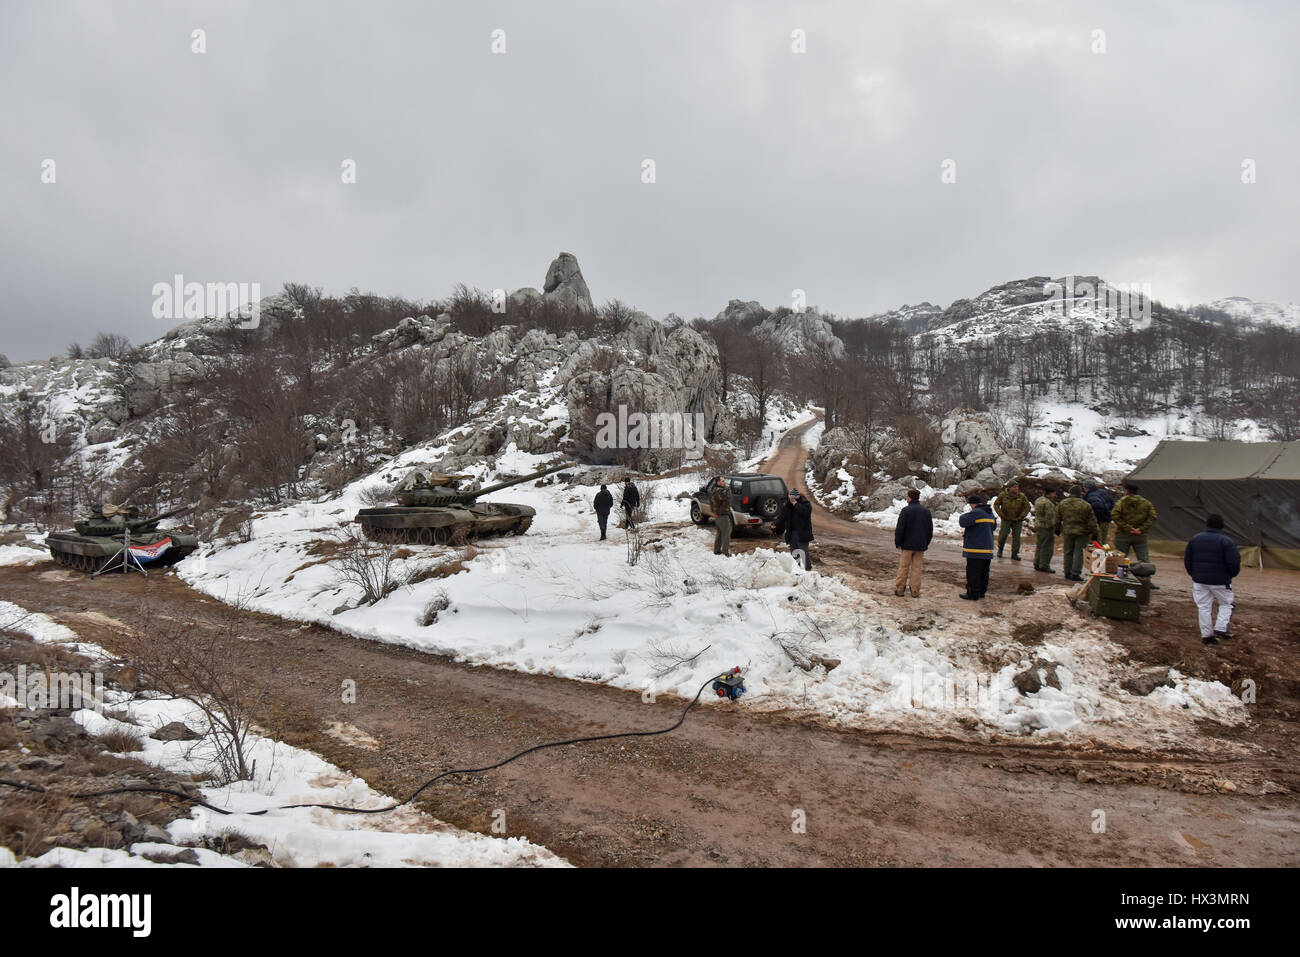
(604, 504)
(1085, 515)
(1081, 518)
(793, 522)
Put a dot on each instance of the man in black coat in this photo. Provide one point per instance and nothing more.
(912, 536)
(1101, 502)
(1213, 561)
(603, 503)
(795, 521)
(631, 500)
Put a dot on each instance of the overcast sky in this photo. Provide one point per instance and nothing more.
(775, 170)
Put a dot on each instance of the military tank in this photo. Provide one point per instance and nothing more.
(432, 509)
(97, 540)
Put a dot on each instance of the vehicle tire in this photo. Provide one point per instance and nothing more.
(697, 513)
(768, 507)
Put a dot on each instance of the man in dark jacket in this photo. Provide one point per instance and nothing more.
(631, 500)
(795, 521)
(912, 537)
(1213, 561)
(1102, 502)
(977, 545)
(603, 503)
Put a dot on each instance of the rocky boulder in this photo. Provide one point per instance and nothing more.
(564, 284)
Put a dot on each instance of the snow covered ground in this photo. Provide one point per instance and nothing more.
(303, 837)
(557, 601)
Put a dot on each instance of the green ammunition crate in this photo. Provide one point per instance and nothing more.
(1109, 608)
(1114, 598)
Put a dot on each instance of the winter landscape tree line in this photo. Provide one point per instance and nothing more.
(313, 379)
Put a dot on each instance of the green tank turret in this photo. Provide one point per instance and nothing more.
(96, 540)
(434, 509)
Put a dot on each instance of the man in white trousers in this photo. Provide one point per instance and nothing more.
(1213, 561)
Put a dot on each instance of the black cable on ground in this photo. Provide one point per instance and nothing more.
(392, 807)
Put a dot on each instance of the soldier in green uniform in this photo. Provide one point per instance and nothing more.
(1013, 508)
(1133, 517)
(1045, 530)
(720, 503)
(1079, 525)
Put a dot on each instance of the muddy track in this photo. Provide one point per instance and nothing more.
(723, 790)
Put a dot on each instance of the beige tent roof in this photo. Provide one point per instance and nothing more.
(1219, 461)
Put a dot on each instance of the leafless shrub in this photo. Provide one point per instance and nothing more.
(119, 741)
(1069, 454)
(666, 657)
(108, 345)
(375, 495)
(633, 545)
(370, 566)
(199, 663)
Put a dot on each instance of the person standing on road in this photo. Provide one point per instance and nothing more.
(912, 536)
(1045, 520)
(795, 521)
(977, 545)
(631, 501)
(1133, 516)
(1213, 561)
(603, 502)
(720, 505)
(1079, 525)
(1013, 508)
(1102, 504)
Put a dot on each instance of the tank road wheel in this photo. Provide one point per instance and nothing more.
(424, 536)
(442, 534)
(522, 527)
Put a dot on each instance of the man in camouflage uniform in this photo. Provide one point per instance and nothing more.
(1045, 530)
(720, 504)
(1133, 517)
(1078, 524)
(1013, 508)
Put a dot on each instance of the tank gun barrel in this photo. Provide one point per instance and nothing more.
(136, 523)
(470, 496)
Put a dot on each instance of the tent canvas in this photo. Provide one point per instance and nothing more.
(1255, 486)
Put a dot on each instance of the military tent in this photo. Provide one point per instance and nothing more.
(1255, 486)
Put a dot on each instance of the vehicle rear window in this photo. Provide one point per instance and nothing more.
(767, 486)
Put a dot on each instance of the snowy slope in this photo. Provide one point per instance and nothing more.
(1259, 312)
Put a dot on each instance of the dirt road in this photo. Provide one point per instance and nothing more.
(725, 789)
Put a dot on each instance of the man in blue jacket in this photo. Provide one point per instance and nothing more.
(977, 545)
(1213, 561)
(912, 537)
(1102, 502)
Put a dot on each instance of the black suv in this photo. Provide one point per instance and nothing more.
(755, 499)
